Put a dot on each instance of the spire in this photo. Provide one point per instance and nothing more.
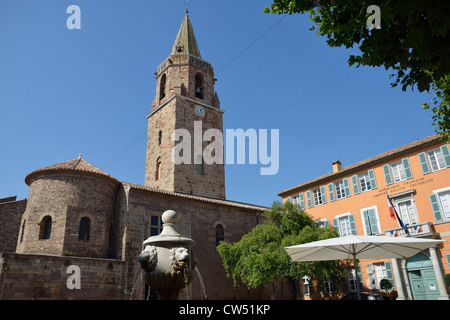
(185, 43)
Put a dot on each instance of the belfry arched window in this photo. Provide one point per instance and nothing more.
(84, 229)
(199, 85)
(45, 229)
(220, 234)
(162, 87)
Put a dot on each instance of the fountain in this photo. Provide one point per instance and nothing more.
(168, 260)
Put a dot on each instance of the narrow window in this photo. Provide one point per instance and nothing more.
(199, 86)
(220, 234)
(159, 137)
(158, 169)
(162, 87)
(45, 228)
(84, 230)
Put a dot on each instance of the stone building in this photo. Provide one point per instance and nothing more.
(78, 215)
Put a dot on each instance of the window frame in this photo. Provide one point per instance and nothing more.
(317, 197)
(436, 151)
(365, 211)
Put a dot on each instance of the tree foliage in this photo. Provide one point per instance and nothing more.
(259, 257)
(413, 42)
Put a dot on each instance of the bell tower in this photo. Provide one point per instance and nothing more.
(185, 98)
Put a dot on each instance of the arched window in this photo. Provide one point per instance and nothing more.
(220, 234)
(45, 228)
(199, 86)
(158, 168)
(162, 87)
(84, 230)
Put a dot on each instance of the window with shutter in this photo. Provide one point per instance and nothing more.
(370, 221)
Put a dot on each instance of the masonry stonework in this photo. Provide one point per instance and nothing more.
(45, 234)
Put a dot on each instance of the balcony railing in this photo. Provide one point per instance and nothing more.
(424, 229)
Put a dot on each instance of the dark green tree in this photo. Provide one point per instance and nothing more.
(413, 42)
(259, 257)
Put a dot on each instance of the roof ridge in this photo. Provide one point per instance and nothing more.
(384, 156)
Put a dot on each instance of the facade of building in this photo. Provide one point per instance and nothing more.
(78, 215)
(416, 177)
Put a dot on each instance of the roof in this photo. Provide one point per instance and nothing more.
(368, 163)
(236, 204)
(185, 42)
(78, 165)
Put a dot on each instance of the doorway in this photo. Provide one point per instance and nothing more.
(422, 278)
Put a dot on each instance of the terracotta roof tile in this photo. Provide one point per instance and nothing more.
(197, 198)
(75, 165)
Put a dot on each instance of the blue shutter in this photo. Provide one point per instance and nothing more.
(373, 221)
(389, 273)
(436, 208)
(335, 224)
(424, 163)
(323, 194)
(308, 198)
(387, 174)
(346, 187)
(288, 199)
(446, 154)
(371, 276)
(373, 181)
(355, 184)
(407, 168)
(367, 222)
(301, 199)
(331, 191)
(351, 218)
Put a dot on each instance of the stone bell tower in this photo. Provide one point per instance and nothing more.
(185, 98)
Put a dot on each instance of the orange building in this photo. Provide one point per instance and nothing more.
(416, 177)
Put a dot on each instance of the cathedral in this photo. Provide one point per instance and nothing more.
(78, 215)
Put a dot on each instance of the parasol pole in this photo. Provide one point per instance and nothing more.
(358, 291)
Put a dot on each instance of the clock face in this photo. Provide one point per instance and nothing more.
(200, 110)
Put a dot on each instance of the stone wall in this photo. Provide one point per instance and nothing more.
(44, 277)
(10, 216)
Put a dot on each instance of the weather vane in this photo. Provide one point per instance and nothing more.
(187, 6)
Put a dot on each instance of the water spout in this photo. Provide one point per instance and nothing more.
(136, 277)
(201, 282)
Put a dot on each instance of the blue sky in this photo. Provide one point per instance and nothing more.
(65, 92)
